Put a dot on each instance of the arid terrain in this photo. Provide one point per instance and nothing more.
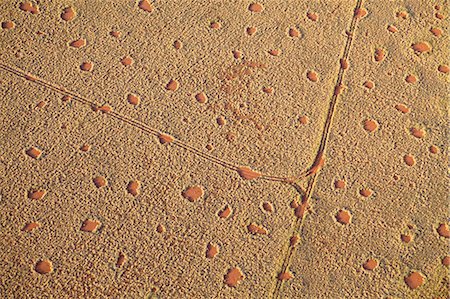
(224, 149)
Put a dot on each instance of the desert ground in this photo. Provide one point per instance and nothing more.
(224, 149)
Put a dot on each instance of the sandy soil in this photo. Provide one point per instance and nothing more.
(224, 149)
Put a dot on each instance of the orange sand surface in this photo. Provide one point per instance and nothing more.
(224, 149)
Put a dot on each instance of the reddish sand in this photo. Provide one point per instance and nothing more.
(224, 149)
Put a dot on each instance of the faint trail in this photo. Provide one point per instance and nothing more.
(243, 171)
(301, 210)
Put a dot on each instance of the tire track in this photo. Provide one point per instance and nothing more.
(244, 171)
(301, 209)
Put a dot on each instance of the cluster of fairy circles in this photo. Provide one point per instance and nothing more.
(192, 194)
(195, 192)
